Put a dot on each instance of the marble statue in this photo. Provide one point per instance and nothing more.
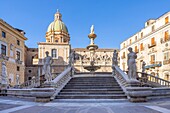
(143, 66)
(92, 29)
(114, 59)
(47, 67)
(71, 58)
(17, 80)
(4, 79)
(131, 64)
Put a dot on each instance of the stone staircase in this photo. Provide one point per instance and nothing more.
(95, 87)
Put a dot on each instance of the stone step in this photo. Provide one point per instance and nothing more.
(97, 82)
(91, 93)
(91, 97)
(90, 87)
(90, 90)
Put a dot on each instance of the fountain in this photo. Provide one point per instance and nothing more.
(92, 48)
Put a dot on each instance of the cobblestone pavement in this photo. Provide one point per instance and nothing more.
(27, 105)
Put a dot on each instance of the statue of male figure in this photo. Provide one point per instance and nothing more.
(114, 59)
(4, 74)
(131, 64)
(47, 67)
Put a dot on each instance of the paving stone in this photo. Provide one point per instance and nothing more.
(7, 106)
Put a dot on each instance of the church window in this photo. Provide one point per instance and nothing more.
(54, 53)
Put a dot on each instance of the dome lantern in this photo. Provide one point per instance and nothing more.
(58, 15)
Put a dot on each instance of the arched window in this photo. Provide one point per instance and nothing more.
(54, 53)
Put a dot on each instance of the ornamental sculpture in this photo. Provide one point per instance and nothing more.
(131, 64)
(47, 67)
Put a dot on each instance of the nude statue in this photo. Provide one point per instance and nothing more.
(71, 58)
(92, 29)
(131, 64)
(17, 80)
(4, 74)
(47, 67)
(115, 55)
(143, 66)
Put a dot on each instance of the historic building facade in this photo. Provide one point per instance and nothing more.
(12, 51)
(152, 45)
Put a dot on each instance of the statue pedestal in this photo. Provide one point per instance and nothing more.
(3, 89)
(42, 94)
(136, 93)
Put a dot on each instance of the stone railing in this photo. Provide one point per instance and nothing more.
(145, 78)
(121, 77)
(61, 80)
(35, 82)
(131, 87)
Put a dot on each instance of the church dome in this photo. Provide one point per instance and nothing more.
(57, 25)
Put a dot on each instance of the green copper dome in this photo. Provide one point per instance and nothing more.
(57, 24)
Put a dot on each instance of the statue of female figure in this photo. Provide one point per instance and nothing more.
(4, 74)
(131, 64)
(47, 67)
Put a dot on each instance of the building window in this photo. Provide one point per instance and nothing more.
(141, 47)
(124, 45)
(61, 39)
(18, 42)
(166, 36)
(152, 59)
(56, 41)
(136, 49)
(18, 68)
(3, 49)
(153, 41)
(153, 28)
(130, 41)
(141, 35)
(136, 38)
(18, 55)
(29, 71)
(166, 56)
(54, 53)
(123, 55)
(3, 34)
(166, 20)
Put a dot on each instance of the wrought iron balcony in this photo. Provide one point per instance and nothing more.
(18, 61)
(151, 45)
(164, 40)
(4, 57)
(165, 62)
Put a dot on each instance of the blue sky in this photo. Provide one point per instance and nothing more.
(114, 20)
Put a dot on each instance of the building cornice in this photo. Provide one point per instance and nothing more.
(47, 43)
(12, 29)
(146, 35)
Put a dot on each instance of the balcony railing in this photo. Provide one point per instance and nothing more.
(162, 40)
(151, 45)
(4, 57)
(165, 62)
(18, 61)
